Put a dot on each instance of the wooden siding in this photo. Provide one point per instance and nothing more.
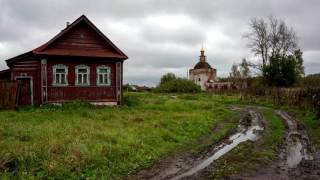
(92, 92)
(81, 41)
(29, 67)
(8, 94)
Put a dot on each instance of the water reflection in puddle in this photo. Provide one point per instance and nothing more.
(296, 151)
(236, 139)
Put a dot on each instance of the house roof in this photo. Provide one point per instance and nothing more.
(5, 74)
(17, 58)
(46, 49)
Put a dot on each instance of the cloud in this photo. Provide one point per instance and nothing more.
(160, 36)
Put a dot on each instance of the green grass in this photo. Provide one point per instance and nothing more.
(252, 155)
(80, 141)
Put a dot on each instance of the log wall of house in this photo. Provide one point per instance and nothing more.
(29, 67)
(91, 92)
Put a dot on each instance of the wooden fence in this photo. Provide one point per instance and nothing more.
(8, 94)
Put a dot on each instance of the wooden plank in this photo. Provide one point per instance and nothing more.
(8, 94)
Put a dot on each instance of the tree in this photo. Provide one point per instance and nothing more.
(169, 83)
(235, 74)
(270, 38)
(244, 69)
(167, 77)
(276, 44)
(283, 71)
(240, 73)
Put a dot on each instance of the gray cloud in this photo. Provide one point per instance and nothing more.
(160, 36)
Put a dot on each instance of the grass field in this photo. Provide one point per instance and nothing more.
(81, 141)
(78, 140)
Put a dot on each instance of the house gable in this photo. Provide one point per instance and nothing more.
(81, 38)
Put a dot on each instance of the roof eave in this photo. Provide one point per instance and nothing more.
(16, 58)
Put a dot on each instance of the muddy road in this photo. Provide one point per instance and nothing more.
(296, 159)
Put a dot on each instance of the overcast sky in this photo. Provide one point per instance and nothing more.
(161, 36)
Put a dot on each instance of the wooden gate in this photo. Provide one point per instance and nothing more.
(8, 94)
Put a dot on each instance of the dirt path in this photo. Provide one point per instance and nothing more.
(297, 158)
(187, 166)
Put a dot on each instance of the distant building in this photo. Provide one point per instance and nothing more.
(202, 73)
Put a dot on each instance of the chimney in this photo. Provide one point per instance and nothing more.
(68, 23)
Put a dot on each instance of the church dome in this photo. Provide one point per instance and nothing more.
(202, 65)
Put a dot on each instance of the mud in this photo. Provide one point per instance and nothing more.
(186, 166)
(297, 158)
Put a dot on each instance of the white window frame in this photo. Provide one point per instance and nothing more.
(82, 66)
(108, 75)
(54, 68)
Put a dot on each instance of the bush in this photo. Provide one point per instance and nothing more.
(170, 84)
(311, 80)
(130, 100)
(167, 77)
(305, 98)
(127, 87)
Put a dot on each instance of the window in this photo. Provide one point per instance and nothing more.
(60, 75)
(82, 75)
(103, 76)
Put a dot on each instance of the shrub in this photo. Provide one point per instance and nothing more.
(167, 77)
(170, 84)
(130, 100)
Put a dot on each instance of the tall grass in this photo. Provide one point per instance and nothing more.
(78, 140)
(305, 98)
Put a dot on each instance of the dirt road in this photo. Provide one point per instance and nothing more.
(297, 158)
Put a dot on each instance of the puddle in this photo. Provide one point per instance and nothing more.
(296, 151)
(245, 134)
(294, 155)
(296, 145)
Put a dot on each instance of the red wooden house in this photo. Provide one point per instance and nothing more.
(78, 63)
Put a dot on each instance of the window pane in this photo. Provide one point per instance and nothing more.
(63, 80)
(57, 79)
(85, 79)
(100, 79)
(79, 79)
(84, 70)
(61, 70)
(103, 70)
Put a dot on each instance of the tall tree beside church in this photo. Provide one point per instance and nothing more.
(281, 62)
(269, 38)
(283, 71)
